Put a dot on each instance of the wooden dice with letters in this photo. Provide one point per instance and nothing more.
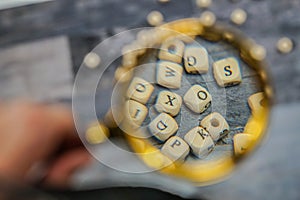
(168, 102)
(169, 74)
(197, 98)
(140, 90)
(176, 149)
(163, 126)
(227, 72)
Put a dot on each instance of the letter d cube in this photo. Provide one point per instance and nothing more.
(163, 126)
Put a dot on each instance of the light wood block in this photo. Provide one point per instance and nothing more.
(241, 142)
(140, 90)
(227, 72)
(135, 112)
(216, 125)
(197, 98)
(200, 142)
(176, 149)
(256, 102)
(163, 126)
(172, 50)
(169, 74)
(168, 102)
(195, 59)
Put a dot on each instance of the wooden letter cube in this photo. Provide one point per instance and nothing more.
(195, 60)
(169, 74)
(241, 142)
(200, 142)
(175, 149)
(140, 90)
(227, 72)
(256, 102)
(168, 102)
(163, 126)
(172, 50)
(135, 112)
(197, 99)
(216, 125)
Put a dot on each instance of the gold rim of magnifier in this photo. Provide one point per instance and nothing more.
(213, 171)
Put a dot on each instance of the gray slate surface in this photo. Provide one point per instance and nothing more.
(230, 102)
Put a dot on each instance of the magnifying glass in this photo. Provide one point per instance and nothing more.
(191, 99)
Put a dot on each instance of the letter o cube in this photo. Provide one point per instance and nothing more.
(197, 99)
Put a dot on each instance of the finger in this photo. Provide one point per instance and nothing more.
(33, 132)
(60, 172)
(62, 123)
(63, 128)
